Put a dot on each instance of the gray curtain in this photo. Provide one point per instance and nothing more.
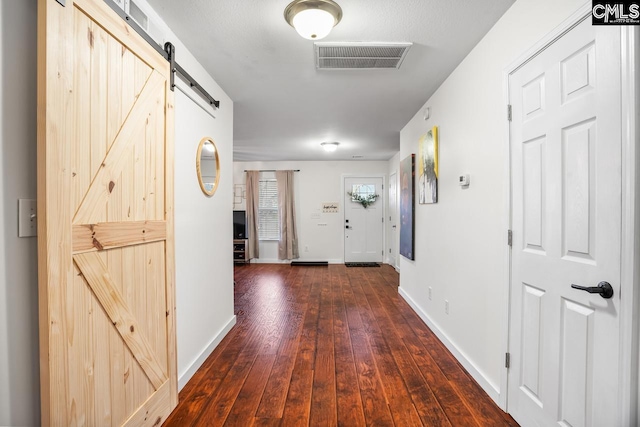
(253, 194)
(288, 243)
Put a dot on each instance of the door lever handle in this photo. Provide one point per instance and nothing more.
(604, 289)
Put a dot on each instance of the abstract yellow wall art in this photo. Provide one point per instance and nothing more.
(428, 167)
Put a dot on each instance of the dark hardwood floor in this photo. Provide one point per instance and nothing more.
(324, 346)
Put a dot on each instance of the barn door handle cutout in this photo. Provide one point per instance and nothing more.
(604, 289)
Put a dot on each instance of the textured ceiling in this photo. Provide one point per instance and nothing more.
(284, 107)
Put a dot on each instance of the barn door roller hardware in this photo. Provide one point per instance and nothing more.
(170, 49)
(168, 53)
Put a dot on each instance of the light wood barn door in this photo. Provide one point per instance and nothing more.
(105, 195)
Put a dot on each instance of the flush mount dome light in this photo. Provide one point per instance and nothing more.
(313, 19)
(330, 147)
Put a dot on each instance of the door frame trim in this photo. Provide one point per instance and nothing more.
(630, 244)
(628, 376)
(395, 210)
(383, 176)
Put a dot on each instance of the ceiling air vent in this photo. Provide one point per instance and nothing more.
(133, 10)
(359, 55)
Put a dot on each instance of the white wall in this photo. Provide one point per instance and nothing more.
(317, 182)
(461, 240)
(204, 256)
(203, 237)
(19, 359)
(203, 225)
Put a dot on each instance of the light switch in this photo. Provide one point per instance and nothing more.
(27, 219)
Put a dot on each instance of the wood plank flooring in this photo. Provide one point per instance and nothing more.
(328, 346)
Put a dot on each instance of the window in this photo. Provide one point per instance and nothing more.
(362, 190)
(268, 223)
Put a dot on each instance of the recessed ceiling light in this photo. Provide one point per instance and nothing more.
(313, 19)
(330, 146)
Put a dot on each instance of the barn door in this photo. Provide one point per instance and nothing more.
(105, 194)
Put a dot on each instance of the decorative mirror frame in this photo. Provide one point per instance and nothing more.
(203, 141)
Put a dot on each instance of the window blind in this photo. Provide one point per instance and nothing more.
(268, 223)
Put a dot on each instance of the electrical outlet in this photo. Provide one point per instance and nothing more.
(430, 293)
(446, 306)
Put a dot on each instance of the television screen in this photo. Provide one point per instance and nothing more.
(239, 225)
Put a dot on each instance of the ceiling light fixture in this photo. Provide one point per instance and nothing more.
(330, 147)
(313, 19)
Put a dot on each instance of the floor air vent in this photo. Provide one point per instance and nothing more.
(309, 263)
(359, 56)
(362, 264)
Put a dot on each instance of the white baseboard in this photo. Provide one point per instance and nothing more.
(491, 389)
(269, 261)
(184, 377)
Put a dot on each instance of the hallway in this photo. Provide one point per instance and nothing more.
(330, 346)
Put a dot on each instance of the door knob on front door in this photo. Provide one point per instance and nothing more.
(604, 289)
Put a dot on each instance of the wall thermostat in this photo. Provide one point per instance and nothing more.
(464, 180)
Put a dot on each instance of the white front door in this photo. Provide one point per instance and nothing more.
(393, 226)
(566, 181)
(363, 226)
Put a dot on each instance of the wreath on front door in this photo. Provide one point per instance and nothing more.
(365, 201)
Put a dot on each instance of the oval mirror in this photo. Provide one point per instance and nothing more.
(208, 166)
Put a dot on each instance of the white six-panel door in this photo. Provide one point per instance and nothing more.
(566, 204)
